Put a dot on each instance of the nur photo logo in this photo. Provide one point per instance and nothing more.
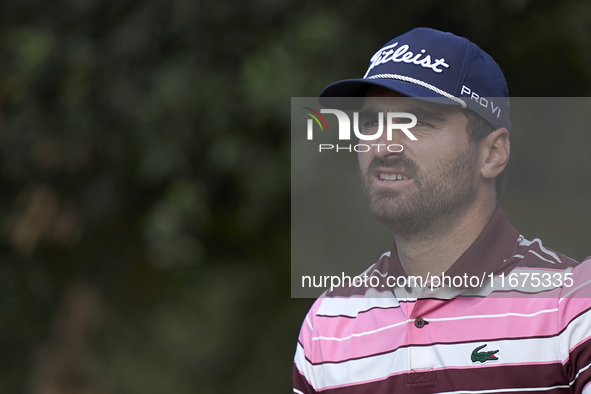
(367, 126)
(314, 116)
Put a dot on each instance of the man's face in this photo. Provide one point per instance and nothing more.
(438, 171)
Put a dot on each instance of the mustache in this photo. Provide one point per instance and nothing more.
(402, 163)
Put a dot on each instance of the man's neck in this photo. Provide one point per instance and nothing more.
(435, 250)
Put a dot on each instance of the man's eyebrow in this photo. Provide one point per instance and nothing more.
(368, 113)
(426, 114)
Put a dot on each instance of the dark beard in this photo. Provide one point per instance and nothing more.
(437, 198)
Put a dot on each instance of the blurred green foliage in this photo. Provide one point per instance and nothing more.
(144, 158)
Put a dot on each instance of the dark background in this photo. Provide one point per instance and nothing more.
(144, 175)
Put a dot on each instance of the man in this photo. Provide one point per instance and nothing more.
(463, 302)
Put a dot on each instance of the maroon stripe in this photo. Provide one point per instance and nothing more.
(579, 358)
(582, 380)
(485, 378)
(300, 382)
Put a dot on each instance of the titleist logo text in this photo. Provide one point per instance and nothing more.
(403, 55)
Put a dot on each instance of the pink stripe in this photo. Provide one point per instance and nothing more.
(357, 347)
(570, 308)
(483, 306)
(449, 331)
(306, 333)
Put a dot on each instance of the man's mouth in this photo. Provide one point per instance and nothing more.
(392, 177)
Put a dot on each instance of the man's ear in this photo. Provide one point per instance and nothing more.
(496, 152)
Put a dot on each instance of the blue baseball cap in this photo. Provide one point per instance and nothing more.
(433, 66)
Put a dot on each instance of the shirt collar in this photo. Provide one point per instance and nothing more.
(485, 255)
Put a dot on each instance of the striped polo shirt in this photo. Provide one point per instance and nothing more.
(526, 327)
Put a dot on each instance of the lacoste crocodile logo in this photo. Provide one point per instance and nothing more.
(483, 356)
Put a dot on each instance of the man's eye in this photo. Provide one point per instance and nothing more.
(422, 124)
(370, 124)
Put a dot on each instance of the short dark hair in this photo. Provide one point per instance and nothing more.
(478, 128)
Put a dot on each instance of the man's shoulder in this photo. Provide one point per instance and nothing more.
(532, 253)
(554, 274)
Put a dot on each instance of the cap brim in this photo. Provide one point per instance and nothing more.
(333, 96)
